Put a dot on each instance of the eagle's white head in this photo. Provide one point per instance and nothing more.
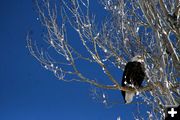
(137, 58)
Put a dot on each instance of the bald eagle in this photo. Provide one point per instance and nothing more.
(133, 76)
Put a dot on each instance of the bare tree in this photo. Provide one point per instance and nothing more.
(150, 28)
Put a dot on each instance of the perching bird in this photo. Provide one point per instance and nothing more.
(133, 76)
(173, 18)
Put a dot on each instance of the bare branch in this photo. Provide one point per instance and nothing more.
(145, 27)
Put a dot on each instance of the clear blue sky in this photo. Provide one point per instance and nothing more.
(28, 91)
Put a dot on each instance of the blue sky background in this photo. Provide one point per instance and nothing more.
(28, 91)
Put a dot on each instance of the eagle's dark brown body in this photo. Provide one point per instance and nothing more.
(133, 75)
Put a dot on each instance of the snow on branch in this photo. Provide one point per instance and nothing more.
(141, 27)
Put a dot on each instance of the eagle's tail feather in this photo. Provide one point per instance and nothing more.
(129, 96)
